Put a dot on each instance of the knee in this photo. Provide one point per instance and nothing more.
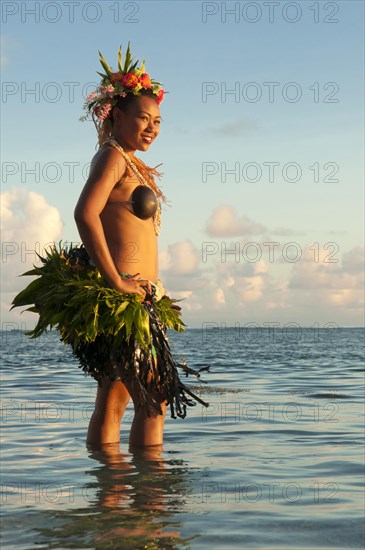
(141, 412)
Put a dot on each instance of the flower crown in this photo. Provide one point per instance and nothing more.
(129, 79)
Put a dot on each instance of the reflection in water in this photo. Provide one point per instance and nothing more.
(130, 502)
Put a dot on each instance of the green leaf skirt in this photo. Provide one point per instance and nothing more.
(114, 335)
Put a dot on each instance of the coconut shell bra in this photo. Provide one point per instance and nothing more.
(143, 201)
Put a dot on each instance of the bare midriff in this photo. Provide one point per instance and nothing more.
(132, 242)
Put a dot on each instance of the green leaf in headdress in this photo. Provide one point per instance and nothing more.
(105, 65)
(133, 67)
(128, 59)
(103, 76)
(120, 59)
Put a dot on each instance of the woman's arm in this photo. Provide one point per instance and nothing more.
(104, 175)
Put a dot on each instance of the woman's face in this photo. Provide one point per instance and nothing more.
(138, 126)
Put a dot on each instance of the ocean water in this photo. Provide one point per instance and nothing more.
(276, 461)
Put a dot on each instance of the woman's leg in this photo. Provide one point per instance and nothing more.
(147, 430)
(111, 401)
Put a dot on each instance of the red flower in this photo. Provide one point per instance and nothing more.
(160, 95)
(116, 77)
(130, 80)
(145, 80)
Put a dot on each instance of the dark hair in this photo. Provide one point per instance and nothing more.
(124, 102)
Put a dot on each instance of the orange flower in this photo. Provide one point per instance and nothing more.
(130, 80)
(145, 80)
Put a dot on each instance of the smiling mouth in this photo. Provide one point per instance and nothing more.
(149, 139)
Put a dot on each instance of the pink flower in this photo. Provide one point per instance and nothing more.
(105, 111)
(91, 96)
(108, 90)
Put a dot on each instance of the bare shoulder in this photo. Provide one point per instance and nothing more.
(108, 162)
(106, 171)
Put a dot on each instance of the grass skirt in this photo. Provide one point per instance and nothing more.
(113, 335)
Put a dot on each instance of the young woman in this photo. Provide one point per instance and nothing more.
(104, 297)
(118, 218)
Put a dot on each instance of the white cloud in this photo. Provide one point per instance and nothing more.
(28, 223)
(219, 296)
(180, 258)
(309, 291)
(353, 260)
(232, 287)
(243, 282)
(225, 222)
(190, 301)
(321, 287)
(236, 128)
(323, 281)
(243, 126)
(27, 219)
(6, 44)
(285, 232)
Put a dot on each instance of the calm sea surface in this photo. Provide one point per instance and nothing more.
(276, 461)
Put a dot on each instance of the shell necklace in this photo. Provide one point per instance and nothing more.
(157, 216)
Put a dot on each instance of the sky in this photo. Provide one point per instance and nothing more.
(261, 143)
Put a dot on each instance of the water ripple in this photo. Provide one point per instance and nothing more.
(276, 461)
